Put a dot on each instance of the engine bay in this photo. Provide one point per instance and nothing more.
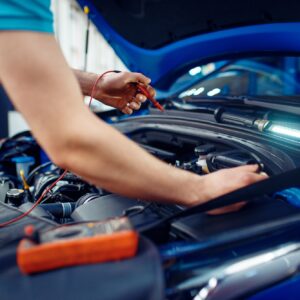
(230, 236)
(73, 199)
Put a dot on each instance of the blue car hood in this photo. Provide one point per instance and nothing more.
(161, 38)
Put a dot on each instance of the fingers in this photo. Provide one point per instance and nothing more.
(252, 169)
(227, 209)
(130, 77)
(151, 90)
(246, 175)
(138, 77)
(127, 110)
(227, 180)
(130, 107)
(248, 168)
(140, 98)
(250, 178)
(135, 105)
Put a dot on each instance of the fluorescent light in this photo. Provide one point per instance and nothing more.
(183, 94)
(195, 71)
(199, 91)
(213, 92)
(187, 93)
(191, 92)
(285, 131)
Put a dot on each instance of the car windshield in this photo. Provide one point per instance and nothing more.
(256, 77)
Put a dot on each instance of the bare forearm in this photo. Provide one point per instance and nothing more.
(85, 80)
(49, 97)
(133, 172)
(112, 161)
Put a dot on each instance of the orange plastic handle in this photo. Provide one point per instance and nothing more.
(145, 92)
(33, 258)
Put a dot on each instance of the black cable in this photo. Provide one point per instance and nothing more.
(56, 194)
(87, 34)
(255, 159)
(44, 185)
(37, 169)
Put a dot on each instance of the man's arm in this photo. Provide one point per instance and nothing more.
(44, 89)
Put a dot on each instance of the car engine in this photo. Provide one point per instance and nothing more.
(26, 173)
(73, 199)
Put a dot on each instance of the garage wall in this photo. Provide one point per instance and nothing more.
(70, 29)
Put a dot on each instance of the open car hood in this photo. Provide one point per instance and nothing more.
(162, 37)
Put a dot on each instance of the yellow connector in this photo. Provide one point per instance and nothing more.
(86, 10)
(25, 184)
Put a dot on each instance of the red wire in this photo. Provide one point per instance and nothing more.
(144, 91)
(46, 191)
(95, 85)
(141, 88)
(35, 204)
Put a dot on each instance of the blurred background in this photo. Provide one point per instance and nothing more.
(70, 29)
(70, 25)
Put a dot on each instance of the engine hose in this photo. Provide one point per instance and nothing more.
(59, 210)
(226, 158)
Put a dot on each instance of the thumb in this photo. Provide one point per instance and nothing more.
(139, 77)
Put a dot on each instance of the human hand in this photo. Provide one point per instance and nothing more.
(227, 180)
(117, 90)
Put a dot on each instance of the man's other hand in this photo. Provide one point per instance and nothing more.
(227, 180)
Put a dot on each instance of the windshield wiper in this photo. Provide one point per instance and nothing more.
(288, 106)
(223, 114)
(262, 122)
(284, 104)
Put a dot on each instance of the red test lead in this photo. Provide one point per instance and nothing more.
(145, 92)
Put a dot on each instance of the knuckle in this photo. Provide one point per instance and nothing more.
(142, 98)
(247, 178)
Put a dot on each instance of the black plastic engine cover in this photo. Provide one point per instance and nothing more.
(111, 206)
(256, 218)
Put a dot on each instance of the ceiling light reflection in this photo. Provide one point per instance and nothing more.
(195, 71)
(199, 91)
(213, 92)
